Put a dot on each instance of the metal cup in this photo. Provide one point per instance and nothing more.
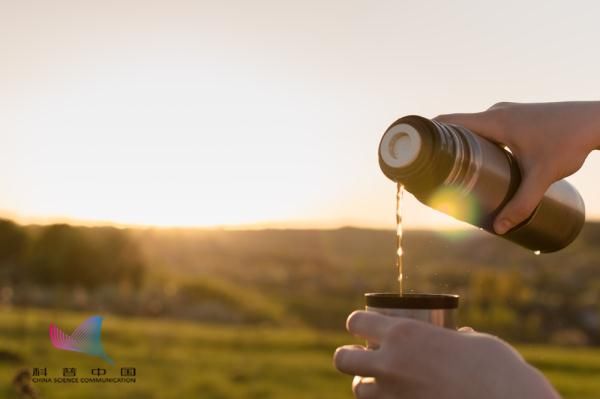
(437, 309)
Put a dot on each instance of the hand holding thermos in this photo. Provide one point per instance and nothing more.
(516, 192)
(550, 141)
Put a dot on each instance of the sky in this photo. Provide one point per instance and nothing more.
(260, 113)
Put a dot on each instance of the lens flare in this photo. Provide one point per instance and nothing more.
(457, 204)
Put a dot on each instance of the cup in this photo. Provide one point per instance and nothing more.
(437, 309)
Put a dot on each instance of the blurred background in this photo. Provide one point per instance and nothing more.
(204, 176)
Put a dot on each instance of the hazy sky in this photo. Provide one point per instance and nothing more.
(235, 112)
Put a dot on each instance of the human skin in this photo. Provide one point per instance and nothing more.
(417, 360)
(550, 141)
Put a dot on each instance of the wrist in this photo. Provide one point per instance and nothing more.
(591, 125)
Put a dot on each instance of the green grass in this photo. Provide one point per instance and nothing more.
(177, 359)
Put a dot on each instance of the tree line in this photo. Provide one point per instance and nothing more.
(310, 277)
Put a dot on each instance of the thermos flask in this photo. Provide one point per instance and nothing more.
(425, 156)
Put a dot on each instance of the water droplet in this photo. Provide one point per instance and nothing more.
(537, 252)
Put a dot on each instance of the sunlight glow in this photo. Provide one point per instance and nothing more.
(262, 113)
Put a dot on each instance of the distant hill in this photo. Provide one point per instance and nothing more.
(364, 254)
(313, 277)
(322, 274)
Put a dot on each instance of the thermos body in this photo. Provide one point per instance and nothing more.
(426, 156)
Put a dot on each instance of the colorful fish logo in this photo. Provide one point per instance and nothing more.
(85, 338)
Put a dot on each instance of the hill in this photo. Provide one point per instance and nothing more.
(303, 277)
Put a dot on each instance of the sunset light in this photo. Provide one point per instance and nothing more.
(256, 121)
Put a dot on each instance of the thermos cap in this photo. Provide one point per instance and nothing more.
(400, 146)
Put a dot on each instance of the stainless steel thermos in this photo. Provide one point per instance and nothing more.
(427, 156)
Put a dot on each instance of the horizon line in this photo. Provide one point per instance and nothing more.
(270, 225)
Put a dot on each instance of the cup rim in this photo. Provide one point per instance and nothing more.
(411, 301)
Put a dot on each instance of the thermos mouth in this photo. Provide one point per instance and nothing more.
(407, 150)
(400, 145)
(411, 301)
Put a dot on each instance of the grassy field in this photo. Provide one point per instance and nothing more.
(186, 360)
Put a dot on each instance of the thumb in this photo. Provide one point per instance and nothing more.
(484, 123)
(523, 203)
